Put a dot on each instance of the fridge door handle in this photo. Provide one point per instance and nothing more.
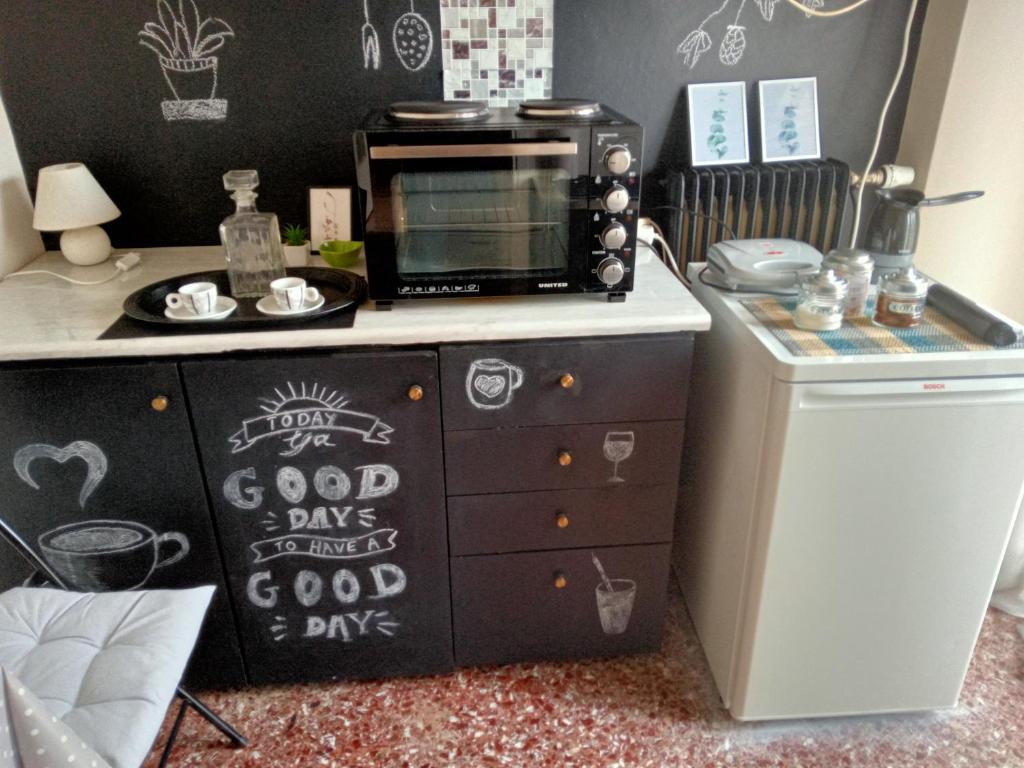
(909, 394)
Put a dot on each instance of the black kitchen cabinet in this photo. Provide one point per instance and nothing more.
(326, 478)
(561, 461)
(534, 606)
(525, 384)
(321, 491)
(98, 473)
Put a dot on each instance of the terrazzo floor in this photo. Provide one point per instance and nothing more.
(657, 711)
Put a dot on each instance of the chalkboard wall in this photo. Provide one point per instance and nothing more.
(78, 86)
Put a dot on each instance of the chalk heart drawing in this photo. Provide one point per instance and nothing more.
(105, 555)
(491, 383)
(307, 416)
(94, 458)
(184, 44)
(489, 386)
(615, 598)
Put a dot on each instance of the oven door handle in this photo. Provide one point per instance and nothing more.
(438, 151)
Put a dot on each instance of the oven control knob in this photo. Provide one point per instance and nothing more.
(617, 160)
(616, 199)
(610, 271)
(614, 236)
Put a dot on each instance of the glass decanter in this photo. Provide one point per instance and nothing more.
(252, 240)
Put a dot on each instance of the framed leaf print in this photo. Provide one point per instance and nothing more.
(789, 119)
(718, 123)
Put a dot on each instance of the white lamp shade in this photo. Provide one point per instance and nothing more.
(68, 197)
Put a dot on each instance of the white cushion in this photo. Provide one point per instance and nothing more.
(41, 740)
(106, 664)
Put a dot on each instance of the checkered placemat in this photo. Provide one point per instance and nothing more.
(860, 336)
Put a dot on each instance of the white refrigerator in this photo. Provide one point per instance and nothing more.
(842, 520)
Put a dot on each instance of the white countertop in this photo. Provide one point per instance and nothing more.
(733, 318)
(42, 317)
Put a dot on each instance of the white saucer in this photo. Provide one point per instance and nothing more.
(268, 306)
(224, 307)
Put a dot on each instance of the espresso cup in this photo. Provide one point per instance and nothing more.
(106, 555)
(291, 293)
(197, 298)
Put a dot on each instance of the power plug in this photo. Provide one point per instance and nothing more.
(128, 261)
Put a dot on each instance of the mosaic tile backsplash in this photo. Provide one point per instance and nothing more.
(498, 51)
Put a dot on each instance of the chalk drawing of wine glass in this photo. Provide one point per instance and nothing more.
(618, 446)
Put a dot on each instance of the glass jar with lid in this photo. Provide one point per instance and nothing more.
(822, 302)
(855, 267)
(901, 299)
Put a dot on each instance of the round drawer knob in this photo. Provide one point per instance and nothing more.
(565, 458)
(567, 381)
(415, 392)
(560, 580)
(562, 520)
(159, 403)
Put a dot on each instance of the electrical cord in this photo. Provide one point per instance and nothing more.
(707, 216)
(881, 123)
(826, 14)
(122, 265)
(665, 254)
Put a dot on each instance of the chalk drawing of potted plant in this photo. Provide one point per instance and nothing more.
(184, 45)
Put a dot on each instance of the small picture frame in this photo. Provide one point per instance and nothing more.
(718, 123)
(789, 119)
(330, 215)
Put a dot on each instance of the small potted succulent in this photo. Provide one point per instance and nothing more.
(296, 246)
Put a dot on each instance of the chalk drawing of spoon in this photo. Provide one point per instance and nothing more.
(94, 458)
(371, 43)
(413, 39)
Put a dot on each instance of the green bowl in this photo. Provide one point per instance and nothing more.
(340, 253)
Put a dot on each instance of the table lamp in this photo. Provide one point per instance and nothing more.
(71, 201)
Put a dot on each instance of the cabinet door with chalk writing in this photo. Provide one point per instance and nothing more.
(326, 480)
(99, 475)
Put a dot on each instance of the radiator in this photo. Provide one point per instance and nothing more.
(799, 200)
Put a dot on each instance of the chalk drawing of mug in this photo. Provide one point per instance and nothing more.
(105, 555)
(491, 383)
(615, 604)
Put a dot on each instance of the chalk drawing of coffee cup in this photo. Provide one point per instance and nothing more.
(615, 604)
(491, 383)
(105, 555)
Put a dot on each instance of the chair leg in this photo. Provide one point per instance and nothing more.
(236, 738)
(174, 733)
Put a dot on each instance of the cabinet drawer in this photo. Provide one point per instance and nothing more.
(508, 608)
(565, 382)
(531, 458)
(594, 517)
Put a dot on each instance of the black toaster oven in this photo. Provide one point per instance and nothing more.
(462, 200)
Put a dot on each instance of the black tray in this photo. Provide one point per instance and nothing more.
(340, 289)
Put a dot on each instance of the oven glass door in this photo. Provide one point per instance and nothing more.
(499, 214)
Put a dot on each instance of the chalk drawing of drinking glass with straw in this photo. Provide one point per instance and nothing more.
(615, 599)
(618, 446)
